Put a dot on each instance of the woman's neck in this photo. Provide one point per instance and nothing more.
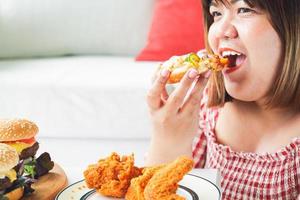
(270, 116)
(266, 130)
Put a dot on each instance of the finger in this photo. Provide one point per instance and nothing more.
(202, 53)
(156, 73)
(177, 97)
(168, 64)
(164, 96)
(154, 96)
(192, 104)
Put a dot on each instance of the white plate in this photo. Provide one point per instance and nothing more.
(192, 187)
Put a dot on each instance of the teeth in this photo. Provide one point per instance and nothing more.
(229, 53)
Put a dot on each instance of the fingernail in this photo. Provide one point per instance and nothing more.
(193, 73)
(164, 73)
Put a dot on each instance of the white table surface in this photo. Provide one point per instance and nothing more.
(74, 155)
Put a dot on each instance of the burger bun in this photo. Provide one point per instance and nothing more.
(9, 158)
(17, 129)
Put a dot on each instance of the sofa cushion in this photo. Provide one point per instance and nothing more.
(58, 27)
(78, 97)
(177, 28)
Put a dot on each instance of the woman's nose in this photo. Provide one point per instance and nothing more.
(227, 30)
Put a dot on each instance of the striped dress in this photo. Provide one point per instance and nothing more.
(247, 175)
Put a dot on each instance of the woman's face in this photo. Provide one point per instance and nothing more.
(254, 47)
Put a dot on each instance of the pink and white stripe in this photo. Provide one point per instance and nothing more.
(247, 175)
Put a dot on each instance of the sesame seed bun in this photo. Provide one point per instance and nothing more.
(9, 158)
(17, 129)
(16, 194)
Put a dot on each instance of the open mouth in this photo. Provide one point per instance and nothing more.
(235, 58)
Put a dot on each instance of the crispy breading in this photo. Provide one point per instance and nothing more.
(112, 176)
(164, 183)
(138, 184)
(117, 177)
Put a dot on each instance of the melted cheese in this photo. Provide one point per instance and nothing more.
(19, 146)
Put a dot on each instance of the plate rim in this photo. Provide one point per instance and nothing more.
(58, 194)
(218, 189)
(193, 194)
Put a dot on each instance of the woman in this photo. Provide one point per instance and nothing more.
(251, 133)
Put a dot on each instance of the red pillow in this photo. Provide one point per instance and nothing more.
(177, 28)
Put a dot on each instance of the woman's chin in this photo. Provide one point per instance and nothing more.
(240, 94)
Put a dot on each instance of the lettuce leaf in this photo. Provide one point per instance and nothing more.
(29, 169)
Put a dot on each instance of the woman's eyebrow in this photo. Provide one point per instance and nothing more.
(213, 3)
(235, 1)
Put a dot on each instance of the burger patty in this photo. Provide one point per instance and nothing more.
(29, 152)
(5, 183)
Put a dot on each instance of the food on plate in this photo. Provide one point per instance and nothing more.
(179, 65)
(138, 184)
(164, 183)
(19, 134)
(111, 176)
(10, 188)
(117, 177)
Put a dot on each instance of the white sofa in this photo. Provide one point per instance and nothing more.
(69, 66)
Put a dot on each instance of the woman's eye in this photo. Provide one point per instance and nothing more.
(215, 14)
(245, 10)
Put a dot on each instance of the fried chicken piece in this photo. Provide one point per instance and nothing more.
(112, 176)
(138, 184)
(164, 183)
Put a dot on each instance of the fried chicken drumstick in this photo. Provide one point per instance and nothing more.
(164, 183)
(138, 184)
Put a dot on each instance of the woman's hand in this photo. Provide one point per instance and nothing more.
(174, 117)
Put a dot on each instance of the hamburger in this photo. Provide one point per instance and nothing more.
(9, 187)
(19, 134)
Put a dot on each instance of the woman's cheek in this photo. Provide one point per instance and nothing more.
(212, 41)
